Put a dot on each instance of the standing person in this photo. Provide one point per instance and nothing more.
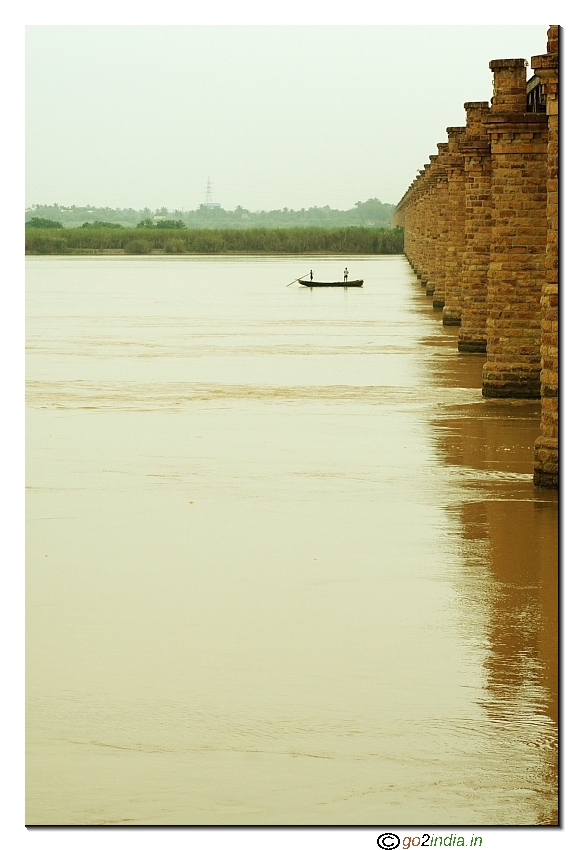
(311, 275)
(345, 275)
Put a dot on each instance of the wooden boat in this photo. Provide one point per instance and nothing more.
(344, 283)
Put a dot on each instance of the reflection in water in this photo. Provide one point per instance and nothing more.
(284, 563)
(510, 545)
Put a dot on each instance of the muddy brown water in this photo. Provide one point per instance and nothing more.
(285, 565)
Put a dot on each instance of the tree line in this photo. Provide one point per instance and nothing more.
(371, 213)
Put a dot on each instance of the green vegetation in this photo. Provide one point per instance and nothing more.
(166, 224)
(110, 224)
(171, 224)
(43, 223)
(372, 213)
(145, 240)
(138, 246)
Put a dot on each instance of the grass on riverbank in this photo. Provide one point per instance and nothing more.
(95, 240)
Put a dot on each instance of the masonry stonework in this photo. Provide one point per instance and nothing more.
(430, 215)
(518, 145)
(481, 233)
(456, 219)
(546, 457)
(477, 230)
(441, 225)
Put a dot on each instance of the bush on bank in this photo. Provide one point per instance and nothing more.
(346, 240)
(43, 223)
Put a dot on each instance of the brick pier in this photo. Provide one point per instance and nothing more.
(481, 233)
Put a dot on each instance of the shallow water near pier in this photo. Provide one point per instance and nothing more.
(285, 564)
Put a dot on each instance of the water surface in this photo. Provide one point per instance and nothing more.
(285, 565)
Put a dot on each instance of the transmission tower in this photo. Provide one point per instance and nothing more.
(209, 192)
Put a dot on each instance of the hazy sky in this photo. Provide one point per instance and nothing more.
(276, 116)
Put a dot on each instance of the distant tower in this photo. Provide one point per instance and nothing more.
(209, 193)
(209, 204)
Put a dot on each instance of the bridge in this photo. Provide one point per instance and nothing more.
(481, 234)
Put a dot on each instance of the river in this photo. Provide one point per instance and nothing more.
(285, 565)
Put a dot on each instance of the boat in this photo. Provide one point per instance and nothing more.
(344, 283)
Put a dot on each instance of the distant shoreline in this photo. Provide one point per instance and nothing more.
(119, 252)
(191, 242)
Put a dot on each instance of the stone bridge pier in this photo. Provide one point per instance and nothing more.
(480, 224)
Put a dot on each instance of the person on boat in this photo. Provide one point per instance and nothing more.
(311, 275)
(345, 275)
